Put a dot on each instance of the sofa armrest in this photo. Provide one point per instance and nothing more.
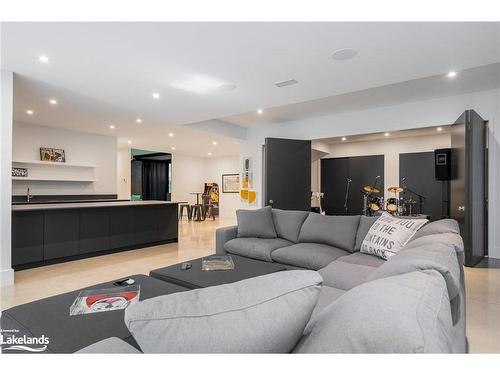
(112, 345)
(222, 235)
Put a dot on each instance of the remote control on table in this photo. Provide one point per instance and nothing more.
(185, 266)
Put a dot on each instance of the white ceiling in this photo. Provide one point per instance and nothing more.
(105, 73)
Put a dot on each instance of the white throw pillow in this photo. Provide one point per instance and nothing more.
(389, 234)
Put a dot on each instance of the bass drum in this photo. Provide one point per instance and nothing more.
(392, 205)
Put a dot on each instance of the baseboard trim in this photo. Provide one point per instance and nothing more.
(7, 277)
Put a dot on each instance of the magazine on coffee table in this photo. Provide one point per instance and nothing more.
(101, 300)
(217, 263)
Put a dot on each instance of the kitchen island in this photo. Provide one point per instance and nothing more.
(48, 233)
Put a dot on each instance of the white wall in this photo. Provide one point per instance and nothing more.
(189, 174)
(124, 173)
(390, 148)
(80, 148)
(215, 168)
(433, 112)
(6, 95)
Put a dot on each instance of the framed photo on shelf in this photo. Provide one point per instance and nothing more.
(231, 183)
(52, 154)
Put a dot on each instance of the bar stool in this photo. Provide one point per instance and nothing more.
(209, 211)
(188, 210)
(197, 212)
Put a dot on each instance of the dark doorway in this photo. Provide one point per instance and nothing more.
(151, 175)
(416, 172)
(335, 174)
(468, 186)
(287, 177)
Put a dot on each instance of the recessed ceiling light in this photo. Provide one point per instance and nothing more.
(344, 54)
(53, 101)
(29, 112)
(199, 84)
(452, 74)
(170, 134)
(227, 87)
(111, 126)
(138, 120)
(344, 138)
(156, 95)
(173, 148)
(260, 111)
(129, 141)
(286, 83)
(214, 143)
(439, 129)
(209, 154)
(386, 134)
(43, 59)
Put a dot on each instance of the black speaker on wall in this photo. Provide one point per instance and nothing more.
(442, 164)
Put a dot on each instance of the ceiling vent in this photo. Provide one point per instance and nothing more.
(286, 83)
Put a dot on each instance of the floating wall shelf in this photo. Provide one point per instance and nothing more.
(52, 164)
(53, 179)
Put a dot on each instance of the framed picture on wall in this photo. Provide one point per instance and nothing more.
(231, 183)
(52, 154)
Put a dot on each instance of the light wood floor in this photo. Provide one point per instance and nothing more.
(197, 239)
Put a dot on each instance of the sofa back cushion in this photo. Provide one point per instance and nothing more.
(256, 223)
(365, 223)
(265, 314)
(407, 313)
(439, 257)
(337, 231)
(288, 223)
(436, 227)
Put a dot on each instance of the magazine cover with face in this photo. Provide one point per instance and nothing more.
(101, 300)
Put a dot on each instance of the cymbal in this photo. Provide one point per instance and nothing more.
(371, 189)
(395, 189)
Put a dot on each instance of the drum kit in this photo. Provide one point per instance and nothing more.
(374, 205)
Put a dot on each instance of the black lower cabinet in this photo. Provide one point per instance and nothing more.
(94, 230)
(61, 234)
(27, 237)
(47, 236)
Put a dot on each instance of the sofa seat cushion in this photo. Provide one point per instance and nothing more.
(338, 231)
(288, 223)
(408, 313)
(265, 314)
(327, 295)
(362, 259)
(345, 276)
(256, 248)
(307, 255)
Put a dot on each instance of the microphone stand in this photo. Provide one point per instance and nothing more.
(347, 192)
(421, 198)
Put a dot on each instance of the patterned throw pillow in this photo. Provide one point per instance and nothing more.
(389, 234)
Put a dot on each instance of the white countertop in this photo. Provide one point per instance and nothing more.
(56, 206)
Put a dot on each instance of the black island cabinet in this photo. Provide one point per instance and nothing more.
(52, 233)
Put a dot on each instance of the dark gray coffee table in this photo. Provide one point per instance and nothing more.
(244, 268)
(67, 334)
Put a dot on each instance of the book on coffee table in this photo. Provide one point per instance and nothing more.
(217, 263)
(101, 300)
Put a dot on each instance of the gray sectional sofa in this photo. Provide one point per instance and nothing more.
(331, 244)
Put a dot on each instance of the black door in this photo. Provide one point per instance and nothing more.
(468, 199)
(416, 175)
(346, 177)
(287, 174)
